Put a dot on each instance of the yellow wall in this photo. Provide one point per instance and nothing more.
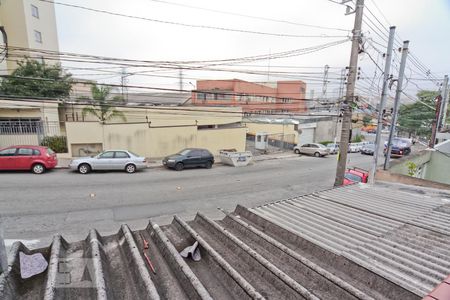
(154, 142)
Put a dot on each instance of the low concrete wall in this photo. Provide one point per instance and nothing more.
(153, 141)
(420, 159)
(387, 176)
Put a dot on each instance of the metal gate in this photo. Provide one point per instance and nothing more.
(26, 131)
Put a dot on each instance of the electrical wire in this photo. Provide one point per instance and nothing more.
(189, 25)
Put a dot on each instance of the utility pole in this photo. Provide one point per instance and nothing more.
(3, 257)
(181, 79)
(384, 93)
(342, 84)
(444, 103)
(325, 82)
(434, 126)
(398, 93)
(123, 83)
(349, 97)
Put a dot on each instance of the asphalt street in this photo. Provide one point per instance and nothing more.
(35, 207)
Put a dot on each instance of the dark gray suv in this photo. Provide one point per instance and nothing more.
(189, 158)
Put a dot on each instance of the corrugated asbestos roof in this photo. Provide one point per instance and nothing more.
(353, 242)
(402, 235)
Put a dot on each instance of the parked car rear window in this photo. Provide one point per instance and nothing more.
(109, 154)
(37, 152)
(8, 152)
(25, 152)
(184, 152)
(195, 153)
(121, 154)
(50, 151)
(353, 177)
(205, 153)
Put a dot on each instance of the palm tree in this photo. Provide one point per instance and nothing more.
(101, 107)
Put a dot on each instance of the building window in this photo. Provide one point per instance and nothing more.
(34, 11)
(38, 36)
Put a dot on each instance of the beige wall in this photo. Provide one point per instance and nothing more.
(154, 142)
(253, 128)
(217, 139)
(9, 140)
(28, 109)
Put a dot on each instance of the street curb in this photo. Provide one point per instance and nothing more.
(254, 160)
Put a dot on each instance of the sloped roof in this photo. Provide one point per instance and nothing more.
(354, 242)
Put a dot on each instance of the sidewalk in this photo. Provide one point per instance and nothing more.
(63, 163)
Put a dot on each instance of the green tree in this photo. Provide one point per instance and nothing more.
(35, 79)
(102, 107)
(417, 118)
(367, 120)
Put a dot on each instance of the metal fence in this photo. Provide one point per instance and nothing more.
(277, 142)
(26, 131)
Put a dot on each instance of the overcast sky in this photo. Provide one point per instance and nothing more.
(426, 23)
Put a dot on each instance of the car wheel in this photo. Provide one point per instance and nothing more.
(84, 168)
(179, 166)
(130, 168)
(296, 151)
(38, 169)
(317, 154)
(208, 165)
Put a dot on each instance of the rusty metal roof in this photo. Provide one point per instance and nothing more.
(355, 242)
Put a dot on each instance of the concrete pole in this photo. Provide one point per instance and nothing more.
(384, 93)
(3, 257)
(398, 93)
(350, 93)
(443, 111)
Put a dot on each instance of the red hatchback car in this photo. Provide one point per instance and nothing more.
(356, 175)
(34, 158)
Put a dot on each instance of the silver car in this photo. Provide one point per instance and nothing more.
(109, 160)
(317, 150)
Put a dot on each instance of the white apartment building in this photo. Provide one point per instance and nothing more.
(29, 24)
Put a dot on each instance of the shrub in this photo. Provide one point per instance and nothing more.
(358, 138)
(56, 143)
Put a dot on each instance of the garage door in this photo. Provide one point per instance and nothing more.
(307, 136)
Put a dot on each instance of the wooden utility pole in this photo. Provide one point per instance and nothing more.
(398, 93)
(350, 94)
(384, 93)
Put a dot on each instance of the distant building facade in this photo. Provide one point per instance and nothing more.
(28, 24)
(254, 98)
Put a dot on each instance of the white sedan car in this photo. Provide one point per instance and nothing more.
(109, 160)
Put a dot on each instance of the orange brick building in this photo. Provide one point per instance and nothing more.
(281, 97)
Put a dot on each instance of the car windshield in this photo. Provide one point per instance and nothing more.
(353, 177)
(50, 151)
(184, 152)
